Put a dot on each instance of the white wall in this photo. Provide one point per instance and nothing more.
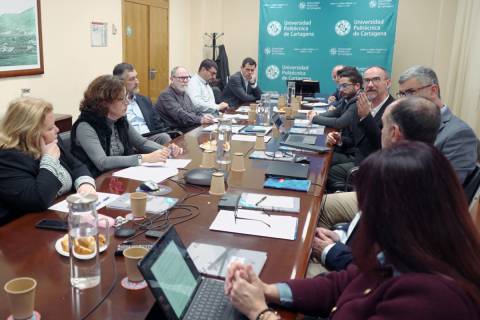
(69, 61)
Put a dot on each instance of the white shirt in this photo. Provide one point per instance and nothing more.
(375, 110)
(343, 236)
(135, 117)
(201, 94)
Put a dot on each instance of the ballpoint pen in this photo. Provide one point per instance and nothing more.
(99, 203)
(260, 201)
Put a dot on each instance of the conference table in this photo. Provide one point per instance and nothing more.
(28, 251)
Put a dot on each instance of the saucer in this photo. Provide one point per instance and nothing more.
(35, 316)
(129, 285)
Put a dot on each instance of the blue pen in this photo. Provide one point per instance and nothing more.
(102, 202)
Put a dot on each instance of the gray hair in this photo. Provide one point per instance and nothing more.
(423, 74)
(174, 71)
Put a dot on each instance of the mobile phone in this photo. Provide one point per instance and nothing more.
(154, 233)
(52, 224)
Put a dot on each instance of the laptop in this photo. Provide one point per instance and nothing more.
(292, 137)
(179, 289)
(281, 169)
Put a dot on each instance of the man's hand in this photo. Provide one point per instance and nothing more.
(364, 106)
(222, 106)
(311, 115)
(332, 99)
(334, 138)
(325, 234)
(51, 149)
(207, 119)
(175, 150)
(253, 80)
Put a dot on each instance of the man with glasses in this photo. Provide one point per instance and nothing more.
(175, 107)
(242, 87)
(363, 135)
(455, 139)
(140, 112)
(349, 84)
(200, 91)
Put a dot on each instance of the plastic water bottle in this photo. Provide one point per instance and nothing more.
(224, 141)
(83, 241)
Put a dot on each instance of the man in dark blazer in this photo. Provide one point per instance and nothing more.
(362, 136)
(242, 87)
(140, 111)
(415, 119)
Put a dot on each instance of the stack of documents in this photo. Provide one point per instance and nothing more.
(256, 223)
(267, 202)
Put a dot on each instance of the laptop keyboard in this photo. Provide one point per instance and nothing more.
(210, 301)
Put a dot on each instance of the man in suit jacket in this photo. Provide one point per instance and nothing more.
(413, 118)
(455, 139)
(362, 136)
(140, 112)
(242, 87)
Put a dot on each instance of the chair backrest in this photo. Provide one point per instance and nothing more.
(66, 139)
(471, 184)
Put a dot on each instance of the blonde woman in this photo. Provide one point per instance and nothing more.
(34, 166)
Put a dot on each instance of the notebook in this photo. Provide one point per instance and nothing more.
(155, 204)
(287, 170)
(287, 184)
(179, 289)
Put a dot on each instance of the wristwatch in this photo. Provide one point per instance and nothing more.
(139, 157)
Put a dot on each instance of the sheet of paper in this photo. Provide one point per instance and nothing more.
(103, 200)
(140, 173)
(236, 116)
(312, 131)
(256, 223)
(270, 201)
(170, 163)
(248, 138)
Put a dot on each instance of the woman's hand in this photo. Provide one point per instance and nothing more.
(86, 188)
(248, 298)
(175, 150)
(159, 155)
(51, 149)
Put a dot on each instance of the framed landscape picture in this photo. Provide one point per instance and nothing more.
(20, 38)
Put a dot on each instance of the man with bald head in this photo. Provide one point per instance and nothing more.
(336, 95)
(175, 107)
(412, 118)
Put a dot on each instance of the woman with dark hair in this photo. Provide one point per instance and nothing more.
(35, 168)
(102, 137)
(416, 253)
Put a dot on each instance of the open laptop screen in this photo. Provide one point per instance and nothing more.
(174, 277)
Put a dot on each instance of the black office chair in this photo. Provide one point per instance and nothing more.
(472, 183)
(66, 139)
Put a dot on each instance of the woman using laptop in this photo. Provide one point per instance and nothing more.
(35, 167)
(102, 137)
(416, 251)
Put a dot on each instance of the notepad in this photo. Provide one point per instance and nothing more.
(277, 156)
(256, 223)
(258, 201)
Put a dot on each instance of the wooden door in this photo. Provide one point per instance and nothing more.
(145, 43)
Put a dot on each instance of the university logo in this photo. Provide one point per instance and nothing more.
(302, 5)
(274, 28)
(333, 51)
(372, 4)
(267, 50)
(343, 27)
(272, 72)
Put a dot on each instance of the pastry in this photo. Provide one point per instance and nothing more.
(83, 245)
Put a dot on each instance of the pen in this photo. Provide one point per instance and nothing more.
(261, 200)
(99, 203)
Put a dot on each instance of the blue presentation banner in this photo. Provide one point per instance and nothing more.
(306, 39)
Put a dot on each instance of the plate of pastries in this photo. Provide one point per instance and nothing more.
(211, 145)
(83, 248)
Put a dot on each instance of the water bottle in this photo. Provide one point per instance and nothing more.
(260, 114)
(83, 241)
(267, 108)
(224, 140)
